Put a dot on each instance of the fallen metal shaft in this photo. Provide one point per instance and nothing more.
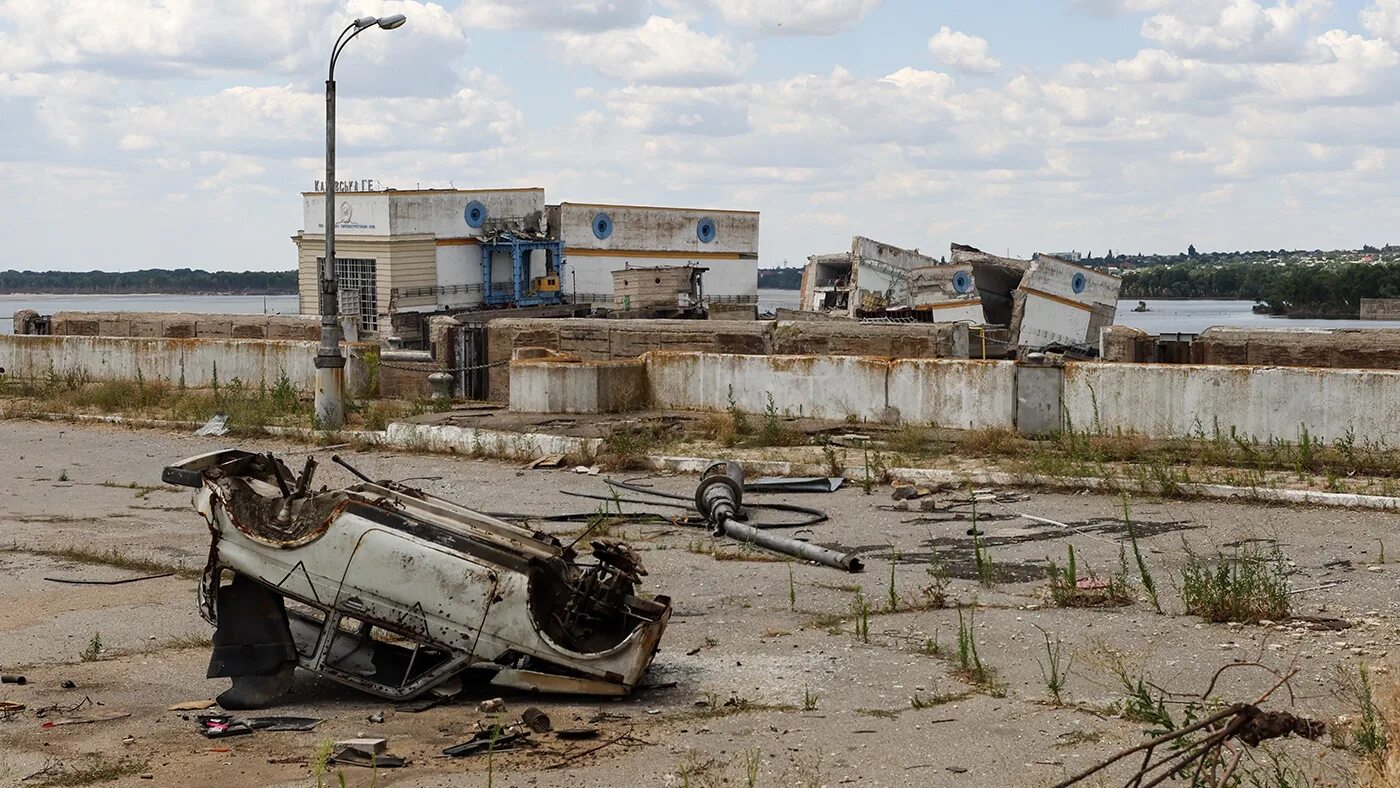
(793, 547)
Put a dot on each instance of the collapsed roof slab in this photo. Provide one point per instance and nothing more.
(1045, 300)
(874, 276)
(1059, 302)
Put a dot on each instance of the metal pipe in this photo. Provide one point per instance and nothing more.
(796, 548)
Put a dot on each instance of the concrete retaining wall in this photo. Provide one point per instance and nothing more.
(578, 387)
(1351, 348)
(596, 339)
(179, 325)
(830, 387)
(1161, 400)
(1156, 400)
(193, 361)
(949, 393)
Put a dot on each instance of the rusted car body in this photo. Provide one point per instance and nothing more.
(391, 590)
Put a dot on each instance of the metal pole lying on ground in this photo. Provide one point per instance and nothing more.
(719, 498)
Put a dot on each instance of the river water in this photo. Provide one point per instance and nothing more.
(199, 304)
(1163, 316)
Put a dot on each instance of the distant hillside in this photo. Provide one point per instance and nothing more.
(780, 278)
(153, 280)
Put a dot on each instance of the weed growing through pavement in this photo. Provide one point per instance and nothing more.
(970, 666)
(809, 698)
(893, 593)
(1068, 588)
(739, 418)
(1367, 735)
(1149, 585)
(93, 649)
(982, 557)
(1247, 586)
(98, 769)
(861, 608)
(753, 762)
(792, 589)
(319, 760)
(834, 467)
(920, 701)
(1055, 668)
(112, 557)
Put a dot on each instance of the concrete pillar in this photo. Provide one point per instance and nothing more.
(1040, 388)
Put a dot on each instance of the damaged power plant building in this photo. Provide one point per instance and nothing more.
(1042, 303)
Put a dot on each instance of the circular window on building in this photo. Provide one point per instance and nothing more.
(1078, 283)
(602, 226)
(475, 214)
(962, 282)
(705, 230)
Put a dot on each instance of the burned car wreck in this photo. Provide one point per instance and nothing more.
(396, 592)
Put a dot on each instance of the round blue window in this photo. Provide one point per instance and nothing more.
(1078, 283)
(475, 214)
(705, 230)
(962, 282)
(602, 226)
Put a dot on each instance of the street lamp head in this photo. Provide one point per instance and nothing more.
(364, 22)
(392, 21)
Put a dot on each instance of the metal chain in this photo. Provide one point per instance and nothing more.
(392, 365)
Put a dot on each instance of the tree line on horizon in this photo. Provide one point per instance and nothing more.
(152, 280)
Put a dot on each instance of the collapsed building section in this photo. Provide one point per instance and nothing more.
(394, 591)
(1044, 301)
(877, 279)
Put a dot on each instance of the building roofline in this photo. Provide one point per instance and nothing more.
(656, 207)
(430, 191)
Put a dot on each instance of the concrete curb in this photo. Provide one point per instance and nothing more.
(1001, 479)
(475, 441)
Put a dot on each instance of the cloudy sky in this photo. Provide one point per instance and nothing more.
(171, 133)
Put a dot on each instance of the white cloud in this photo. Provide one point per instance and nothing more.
(1382, 18)
(1234, 30)
(190, 39)
(662, 51)
(582, 15)
(793, 17)
(962, 51)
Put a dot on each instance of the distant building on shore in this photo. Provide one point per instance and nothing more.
(427, 250)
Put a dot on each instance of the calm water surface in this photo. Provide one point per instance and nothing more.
(1163, 316)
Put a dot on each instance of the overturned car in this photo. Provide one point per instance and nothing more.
(396, 592)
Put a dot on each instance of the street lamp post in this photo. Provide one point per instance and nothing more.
(330, 364)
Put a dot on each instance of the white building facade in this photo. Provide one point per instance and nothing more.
(422, 250)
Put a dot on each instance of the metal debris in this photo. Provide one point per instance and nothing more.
(300, 724)
(123, 581)
(388, 589)
(720, 499)
(215, 427)
(536, 720)
(12, 678)
(812, 484)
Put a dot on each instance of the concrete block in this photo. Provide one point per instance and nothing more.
(1039, 398)
(954, 393)
(578, 387)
